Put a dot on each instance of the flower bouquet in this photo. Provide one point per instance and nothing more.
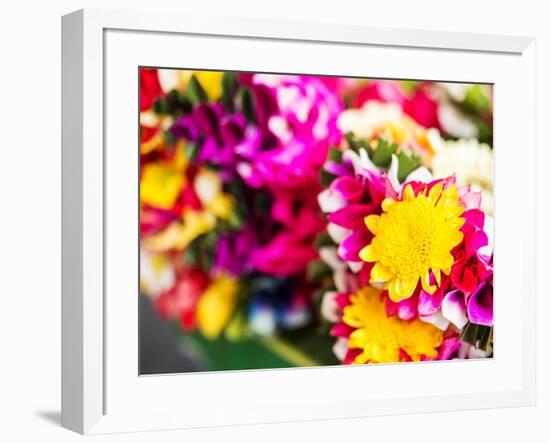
(307, 220)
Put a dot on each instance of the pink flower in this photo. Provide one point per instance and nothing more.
(362, 196)
(290, 250)
(480, 305)
(303, 123)
(382, 91)
(470, 268)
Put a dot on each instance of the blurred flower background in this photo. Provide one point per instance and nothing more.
(303, 220)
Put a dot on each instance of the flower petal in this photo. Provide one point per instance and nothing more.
(437, 320)
(380, 274)
(453, 308)
(369, 253)
(372, 223)
(329, 201)
(351, 246)
(428, 303)
(480, 305)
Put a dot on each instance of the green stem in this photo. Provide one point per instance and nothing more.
(287, 351)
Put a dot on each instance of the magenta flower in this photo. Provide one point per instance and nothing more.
(290, 250)
(234, 251)
(221, 135)
(304, 126)
(480, 305)
(348, 200)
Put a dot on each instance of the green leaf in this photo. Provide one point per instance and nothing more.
(476, 99)
(178, 102)
(191, 150)
(356, 143)
(409, 85)
(169, 137)
(323, 239)
(381, 156)
(161, 106)
(190, 256)
(195, 92)
(407, 163)
(317, 269)
(335, 154)
(247, 105)
(237, 329)
(325, 178)
(229, 89)
(479, 336)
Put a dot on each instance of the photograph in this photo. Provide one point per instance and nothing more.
(291, 220)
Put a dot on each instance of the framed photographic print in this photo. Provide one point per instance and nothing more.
(300, 222)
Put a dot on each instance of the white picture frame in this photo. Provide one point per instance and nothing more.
(101, 389)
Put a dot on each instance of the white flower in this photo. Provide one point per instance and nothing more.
(156, 273)
(472, 163)
(456, 90)
(455, 122)
(329, 307)
(371, 118)
(208, 185)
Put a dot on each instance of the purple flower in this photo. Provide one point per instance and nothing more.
(234, 251)
(480, 305)
(221, 135)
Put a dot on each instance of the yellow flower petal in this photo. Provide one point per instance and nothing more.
(211, 81)
(386, 204)
(381, 338)
(371, 222)
(435, 192)
(430, 289)
(217, 305)
(408, 193)
(437, 275)
(400, 289)
(177, 236)
(368, 253)
(222, 206)
(380, 274)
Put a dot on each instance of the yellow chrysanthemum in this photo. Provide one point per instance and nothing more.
(216, 305)
(412, 237)
(161, 182)
(381, 338)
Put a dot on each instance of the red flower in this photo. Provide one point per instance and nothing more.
(149, 88)
(180, 302)
(423, 109)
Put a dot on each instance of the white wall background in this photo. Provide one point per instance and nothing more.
(30, 218)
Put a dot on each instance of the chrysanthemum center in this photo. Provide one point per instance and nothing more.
(411, 233)
(413, 239)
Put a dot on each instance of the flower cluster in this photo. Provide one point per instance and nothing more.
(271, 203)
(228, 185)
(410, 247)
